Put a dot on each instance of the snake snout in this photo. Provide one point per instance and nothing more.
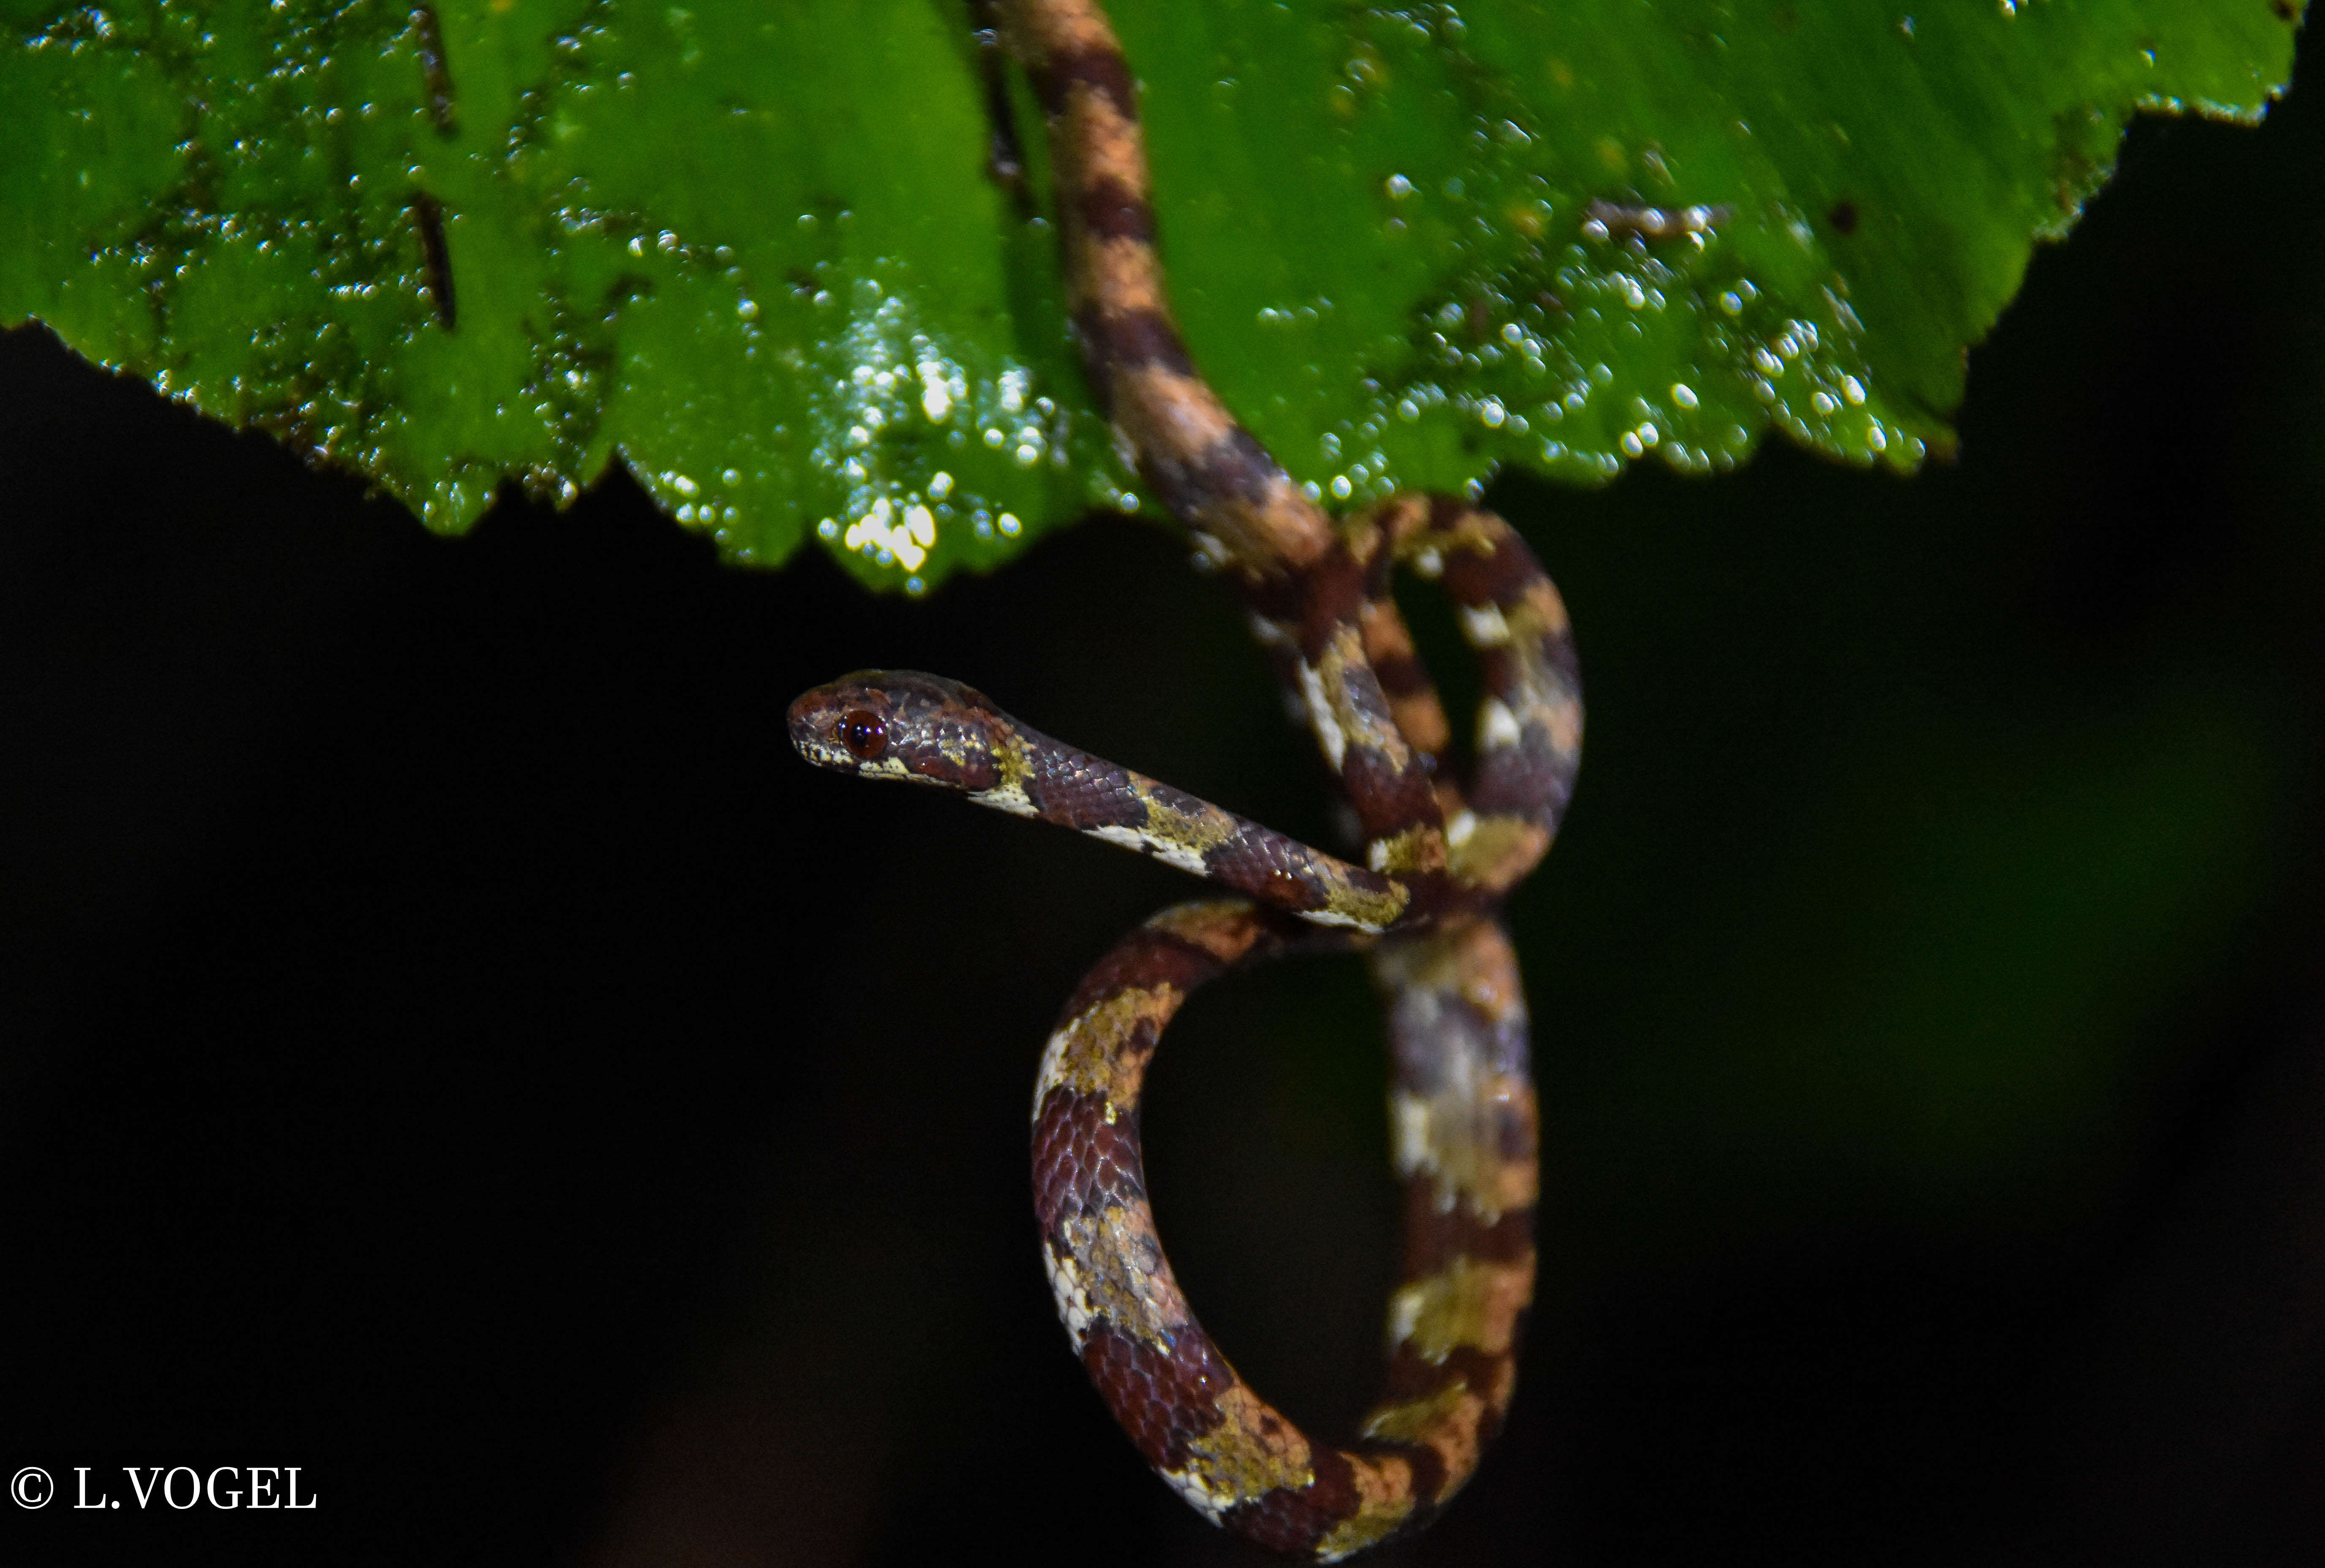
(843, 725)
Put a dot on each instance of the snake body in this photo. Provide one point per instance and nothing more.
(1438, 857)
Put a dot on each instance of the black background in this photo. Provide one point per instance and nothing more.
(452, 1046)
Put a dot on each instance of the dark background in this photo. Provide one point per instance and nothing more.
(449, 1043)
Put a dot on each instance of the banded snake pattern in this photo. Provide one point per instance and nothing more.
(1438, 858)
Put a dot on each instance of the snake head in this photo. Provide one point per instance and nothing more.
(900, 723)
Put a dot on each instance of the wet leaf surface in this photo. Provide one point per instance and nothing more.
(751, 248)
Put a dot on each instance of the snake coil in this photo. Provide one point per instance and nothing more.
(1438, 858)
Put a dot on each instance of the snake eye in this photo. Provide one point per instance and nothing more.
(865, 735)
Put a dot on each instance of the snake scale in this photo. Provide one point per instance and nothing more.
(1438, 857)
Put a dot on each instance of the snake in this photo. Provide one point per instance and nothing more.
(1438, 855)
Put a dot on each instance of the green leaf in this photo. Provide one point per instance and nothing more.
(749, 246)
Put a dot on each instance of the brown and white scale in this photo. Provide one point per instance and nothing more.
(1438, 858)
